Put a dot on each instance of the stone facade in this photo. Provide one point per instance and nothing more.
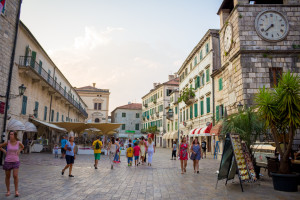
(154, 107)
(7, 35)
(130, 116)
(97, 101)
(195, 73)
(249, 63)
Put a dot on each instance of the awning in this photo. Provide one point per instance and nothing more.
(216, 130)
(169, 136)
(15, 125)
(192, 132)
(51, 126)
(205, 131)
(30, 127)
(81, 126)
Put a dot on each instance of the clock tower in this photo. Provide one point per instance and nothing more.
(259, 40)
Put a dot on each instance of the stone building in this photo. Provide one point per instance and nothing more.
(129, 116)
(154, 107)
(196, 113)
(97, 101)
(8, 20)
(172, 120)
(49, 97)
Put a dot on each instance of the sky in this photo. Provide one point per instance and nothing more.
(121, 45)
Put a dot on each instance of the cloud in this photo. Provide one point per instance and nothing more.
(127, 68)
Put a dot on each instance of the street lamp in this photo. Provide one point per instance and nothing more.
(22, 89)
(240, 106)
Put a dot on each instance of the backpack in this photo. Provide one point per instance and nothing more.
(97, 146)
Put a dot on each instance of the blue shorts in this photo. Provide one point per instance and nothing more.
(129, 159)
(136, 157)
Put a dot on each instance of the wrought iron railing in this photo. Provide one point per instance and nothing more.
(26, 61)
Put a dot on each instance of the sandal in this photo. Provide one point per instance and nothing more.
(7, 193)
(62, 172)
(17, 194)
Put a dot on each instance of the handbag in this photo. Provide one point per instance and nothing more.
(193, 155)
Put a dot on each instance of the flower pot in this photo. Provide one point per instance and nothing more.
(285, 182)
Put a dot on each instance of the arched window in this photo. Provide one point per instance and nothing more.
(97, 120)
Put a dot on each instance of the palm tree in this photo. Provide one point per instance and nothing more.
(280, 109)
(246, 123)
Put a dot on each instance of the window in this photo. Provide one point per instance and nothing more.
(62, 118)
(45, 113)
(52, 115)
(176, 125)
(123, 126)
(201, 56)
(97, 106)
(137, 127)
(187, 114)
(191, 67)
(176, 110)
(169, 91)
(186, 71)
(197, 82)
(220, 84)
(217, 113)
(24, 105)
(203, 79)
(40, 67)
(196, 110)
(97, 120)
(36, 107)
(180, 116)
(168, 127)
(137, 115)
(202, 107)
(57, 116)
(207, 48)
(275, 74)
(49, 75)
(184, 115)
(123, 114)
(191, 112)
(208, 104)
(195, 61)
(207, 74)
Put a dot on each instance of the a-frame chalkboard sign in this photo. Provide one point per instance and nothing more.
(236, 160)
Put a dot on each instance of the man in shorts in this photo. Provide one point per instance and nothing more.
(203, 145)
(97, 145)
(63, 143)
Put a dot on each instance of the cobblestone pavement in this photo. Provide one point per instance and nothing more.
(40, 178)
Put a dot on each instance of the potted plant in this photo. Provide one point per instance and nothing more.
(280, 109)
(187, 96)
(247, 124)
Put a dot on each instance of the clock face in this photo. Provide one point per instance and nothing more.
(227, 40)
(271, 26)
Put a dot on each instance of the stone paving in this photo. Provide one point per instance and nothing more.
(40, 178)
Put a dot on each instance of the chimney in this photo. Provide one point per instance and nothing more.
(171, 77)
(94, 84)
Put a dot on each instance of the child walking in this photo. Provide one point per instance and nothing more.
(136, 153)
(129, 154)
(55, 151)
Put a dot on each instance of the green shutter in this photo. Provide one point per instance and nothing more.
(33, 57)
(40, 67)
(208, 104)
(201, 55)
(207, 75)
(191, 112)
(26, 55)
(57, 116)
(52, 115)
(196, 110)
(24, 105)
(217, 113)
(202, 107)
(198, 81)
(176, 110)
(203, 78)
(45, 114)
(220, 84)
(36, 107)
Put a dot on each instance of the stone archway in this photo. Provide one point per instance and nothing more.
(97, 120)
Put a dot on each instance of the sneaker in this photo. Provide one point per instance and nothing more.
(71, 176)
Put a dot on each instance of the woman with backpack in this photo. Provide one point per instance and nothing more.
(196, 154)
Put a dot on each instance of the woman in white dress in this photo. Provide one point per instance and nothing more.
(151, 150)
(112, 149)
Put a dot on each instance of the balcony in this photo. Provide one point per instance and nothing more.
(37, 73)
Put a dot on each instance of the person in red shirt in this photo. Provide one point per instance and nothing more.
(136, 153)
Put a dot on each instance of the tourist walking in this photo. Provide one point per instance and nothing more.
(63, 143)
(174, 149)
(136, 153)
(12, 161)
(183, 154)
(116, 158)
(70, 156)
(143, 151)
(56, 151)
(97, 145)
(196, 155)
(203, 146)
(112, 149)
(150, 150)
(129, 154)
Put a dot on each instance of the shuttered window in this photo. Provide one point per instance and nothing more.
(202, 107)
(208, 104)
(207, 48)
(33, 57)
(201, 56)
(137, 126)
(40, 67)
(36, 107)
(24, 105)
(217, 113)
(220, 84)
(191, 112)
(196, 110)
(52, 115)
(62, 118)
(176, 110)
(207, 74)
(57, 116)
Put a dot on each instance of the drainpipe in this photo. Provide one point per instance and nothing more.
(10, 78)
